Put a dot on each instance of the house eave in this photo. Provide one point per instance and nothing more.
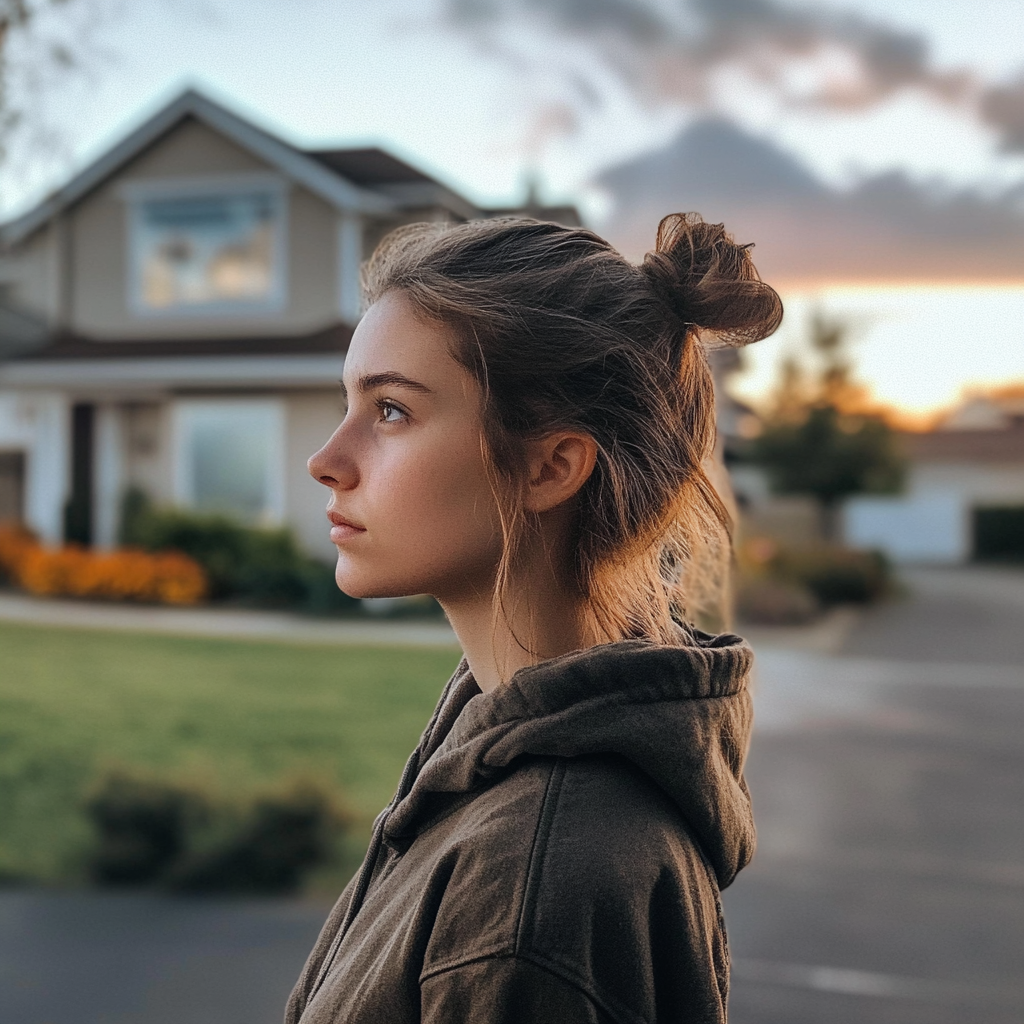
(128, 376)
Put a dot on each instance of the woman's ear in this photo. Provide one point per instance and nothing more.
(558, 466)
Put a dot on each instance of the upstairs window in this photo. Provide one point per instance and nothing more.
(207, 250)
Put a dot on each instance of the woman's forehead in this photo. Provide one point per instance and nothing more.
(392, 346)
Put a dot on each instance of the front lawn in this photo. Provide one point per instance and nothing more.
(231, 716)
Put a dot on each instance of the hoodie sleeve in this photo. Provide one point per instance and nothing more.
(506, 990)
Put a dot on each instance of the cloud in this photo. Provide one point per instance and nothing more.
(1003, 108)
(668, 51)
(886, 227)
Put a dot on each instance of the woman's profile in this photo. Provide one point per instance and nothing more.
(530, 417)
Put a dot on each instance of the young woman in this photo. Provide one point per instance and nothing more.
(530, 417)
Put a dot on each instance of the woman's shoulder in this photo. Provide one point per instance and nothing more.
(573, 861)
(602, 801)
(593, 811)
(610, 820)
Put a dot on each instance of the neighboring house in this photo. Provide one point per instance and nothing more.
(175, 319)
(785, 518)
(975, 461)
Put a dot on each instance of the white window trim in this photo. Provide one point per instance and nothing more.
(136, 192)
(181, 477)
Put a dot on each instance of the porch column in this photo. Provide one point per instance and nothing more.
(47, 475)
(108, 475)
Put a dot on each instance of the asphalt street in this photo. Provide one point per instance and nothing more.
(888, 888)
(888, 782)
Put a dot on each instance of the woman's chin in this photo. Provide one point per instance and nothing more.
(355, 586)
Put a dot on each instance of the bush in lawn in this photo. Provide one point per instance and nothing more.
(279, 840)
(262, 567)
(177, 838)
(142, 828)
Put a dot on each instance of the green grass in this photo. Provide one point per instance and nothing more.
(232, 716)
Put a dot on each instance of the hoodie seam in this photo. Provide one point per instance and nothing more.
(640, 695)
(538, 848)
(548, 967)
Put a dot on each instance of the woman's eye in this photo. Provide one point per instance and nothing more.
(389, 412)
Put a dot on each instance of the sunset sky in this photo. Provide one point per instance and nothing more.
(873, 151)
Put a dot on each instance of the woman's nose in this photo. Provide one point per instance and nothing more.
(332, 467)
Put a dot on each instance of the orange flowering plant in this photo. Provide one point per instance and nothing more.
(126, 574)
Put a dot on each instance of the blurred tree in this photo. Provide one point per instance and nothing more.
(821, 437)
(44, 46)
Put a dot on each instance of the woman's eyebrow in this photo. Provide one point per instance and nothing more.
(389, 378)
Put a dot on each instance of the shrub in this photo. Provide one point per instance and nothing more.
(142, 828)
(769, 602)
(262, 567)
(278, 841)
(780, 585)
(124, 575)
(835, 575)
(15, 544)
(177, 838)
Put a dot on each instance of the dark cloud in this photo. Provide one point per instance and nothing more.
(886, 227)
(668, 51)
(1003, 107)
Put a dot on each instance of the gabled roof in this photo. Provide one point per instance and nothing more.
(371, 166)
(407, 186)
(301, 167)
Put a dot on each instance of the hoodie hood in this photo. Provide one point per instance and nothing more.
(681, 715)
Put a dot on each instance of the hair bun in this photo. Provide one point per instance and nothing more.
(710, 282)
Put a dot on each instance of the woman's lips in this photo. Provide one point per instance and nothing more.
(343, 529)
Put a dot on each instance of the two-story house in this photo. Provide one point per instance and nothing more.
(175, 319)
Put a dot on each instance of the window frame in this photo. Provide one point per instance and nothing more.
(137, 193)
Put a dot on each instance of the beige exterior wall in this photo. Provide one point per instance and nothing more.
(147, 449)
(99, 249)
(311, 417)
(30, 274)
(974, 483)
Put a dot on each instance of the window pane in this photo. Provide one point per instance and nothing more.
(204, 250)
(229, 452)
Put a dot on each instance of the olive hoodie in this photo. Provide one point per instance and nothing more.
(554, 852)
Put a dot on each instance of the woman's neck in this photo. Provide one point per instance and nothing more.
(539, 620)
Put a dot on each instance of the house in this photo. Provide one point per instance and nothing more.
(958, 474)
(175, 319)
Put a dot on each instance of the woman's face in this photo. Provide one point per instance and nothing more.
(411, 508)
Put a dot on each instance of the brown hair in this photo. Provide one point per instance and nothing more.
(563, 333)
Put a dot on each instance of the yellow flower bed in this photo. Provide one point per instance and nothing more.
(127, 574)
